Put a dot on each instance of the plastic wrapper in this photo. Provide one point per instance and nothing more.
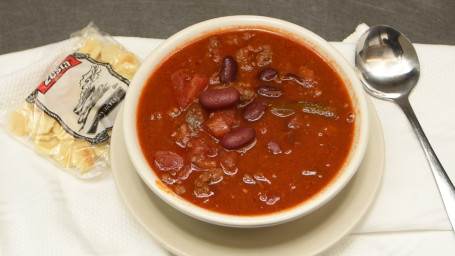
(69, 116)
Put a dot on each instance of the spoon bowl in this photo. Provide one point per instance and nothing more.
(387, 64)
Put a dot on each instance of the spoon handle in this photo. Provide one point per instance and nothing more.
(446, 188)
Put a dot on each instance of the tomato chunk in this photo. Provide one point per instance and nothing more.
(220, 122)
(202, 145)
(187, 87)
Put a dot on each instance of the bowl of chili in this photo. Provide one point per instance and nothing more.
(245, 121)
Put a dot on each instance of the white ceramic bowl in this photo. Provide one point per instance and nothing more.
(232, 22)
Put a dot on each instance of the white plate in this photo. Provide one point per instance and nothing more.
(308, 235)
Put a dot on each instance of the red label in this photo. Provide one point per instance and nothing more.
(68, 63)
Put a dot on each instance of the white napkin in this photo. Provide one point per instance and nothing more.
(44, 211)
(409, 198)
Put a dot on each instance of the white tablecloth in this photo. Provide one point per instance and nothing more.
(44, 211)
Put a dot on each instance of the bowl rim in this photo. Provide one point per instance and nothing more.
(180, 39)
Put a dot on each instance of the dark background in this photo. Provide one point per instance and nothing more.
(28, 24)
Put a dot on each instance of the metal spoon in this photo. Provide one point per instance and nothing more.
(389, 68)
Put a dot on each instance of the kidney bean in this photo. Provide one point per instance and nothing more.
(274, 148)
(168, 160)
(255, 110)
(269, 91)
(267, 74)
(219, 98)
(228, 70)
(238, 138)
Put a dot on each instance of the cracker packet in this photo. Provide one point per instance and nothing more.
(69, 116)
